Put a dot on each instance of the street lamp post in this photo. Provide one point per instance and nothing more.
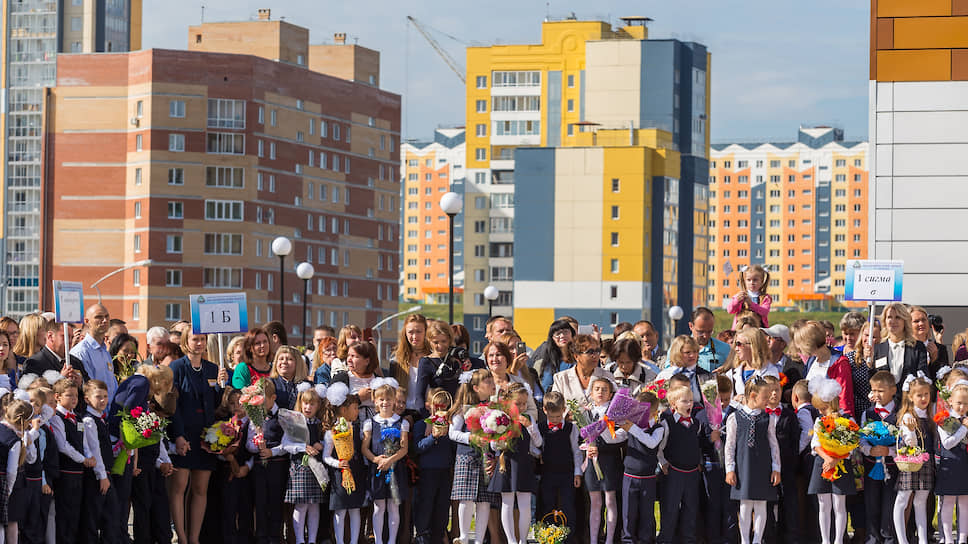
(281, 247)
(305, 272)
(146, 262)
(490, 293)
(675, 314)
(451, 203)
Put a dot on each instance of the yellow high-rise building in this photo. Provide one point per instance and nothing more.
(571, 132)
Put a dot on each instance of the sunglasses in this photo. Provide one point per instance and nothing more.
(590, 351)
(738, 343)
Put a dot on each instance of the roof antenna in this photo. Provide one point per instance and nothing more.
(203, 14)
(548, 10)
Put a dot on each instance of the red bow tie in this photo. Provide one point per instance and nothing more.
(104, 417)
(70, 416)
(685, 420)
(554, 426)
(773, 412)
(882, 411)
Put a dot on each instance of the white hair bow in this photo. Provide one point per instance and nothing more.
(825, 388)
(337, 393)
(465, 377)
(943, 371)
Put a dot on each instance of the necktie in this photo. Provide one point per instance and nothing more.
(685, 421)
(773, 411)
(104, 417)
(554, 426)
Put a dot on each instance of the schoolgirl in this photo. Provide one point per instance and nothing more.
(469, 488)
(304, 490)
(347, 494)
(385, 443)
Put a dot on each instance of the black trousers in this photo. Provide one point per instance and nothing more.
(638, 510)
(679, 507)
(149, 505)
(879, 498)
(557, 492)
(69, 494)
(783, 517)
(33, 529)
(99, 515)
(269, 483)
(432, 504)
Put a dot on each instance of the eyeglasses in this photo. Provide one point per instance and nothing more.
(591, 351)
(558, 334)
(738, 343)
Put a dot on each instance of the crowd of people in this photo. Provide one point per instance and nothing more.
(744, 466)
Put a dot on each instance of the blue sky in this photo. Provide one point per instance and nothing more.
(775, 64)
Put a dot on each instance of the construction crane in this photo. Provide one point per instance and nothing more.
(451, 62)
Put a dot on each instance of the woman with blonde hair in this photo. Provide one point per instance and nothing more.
(750, 357)
(235, 352)
(33, 329)
(412, 346)
(811, 340)
(288, 371)
(901, 353)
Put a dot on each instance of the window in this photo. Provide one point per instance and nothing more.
(173, 311)
(225, 143)
(137, 243)
(137, 210)
(614, 239)
(517, 103)
(135, 311)
(272, 150)
(480, 154)
(502, 200)
(173, 243)
(323, 129)
(841, 163)
(615, 185)
(223, 210)
(176, 210)
(176, 108)
(481, 130)
(480, 203)
(516, 79)
(571, 105)
(76, 24)
(481, 82)
(262, 115)
(222, 277)
(614, 266)
(517, 128)
(571, 81)
(272, 117)
(138, 142)
(176, 176)
(176, 142)
(221, 243)
(336, 130)
(137, 176)
(224, 176)
(614, 212)
(173, 278)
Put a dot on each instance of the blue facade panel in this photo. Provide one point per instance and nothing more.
(657, 100)
(553, 100)
(534, 220)
(822, 233)
(758, 228)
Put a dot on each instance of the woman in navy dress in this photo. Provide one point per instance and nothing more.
(197, 382)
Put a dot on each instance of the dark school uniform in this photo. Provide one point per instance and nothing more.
(752, 456)
(149, 499)
(683, 447)
(435, 457)
(952, 474)
(809, 513)
(786, 521)
(469, 477)
(10, 505)
(198, 396)
(518, 475)
(379, 486)
(639, 490)
(339, 497)
(843, 485)
(43, 471)
(560, 463)
(68, 493)
(268, 477)
(100, 512)
(879, 495)
(609, 459)
(719, 520)
(303, 486)
(923, 479)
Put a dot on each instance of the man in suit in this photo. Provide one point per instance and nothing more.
(51, 356)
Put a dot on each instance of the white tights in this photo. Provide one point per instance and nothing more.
(920, 515)
(305, 517)
(838, 504)
(392, 511)
(948, 503)
(611, 515)
(481, 511)
(339, 525)
(752, 513)
(524, 516)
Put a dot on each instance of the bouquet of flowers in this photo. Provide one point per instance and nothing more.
(658, 388)
(124, 366)
(390, 437)
(714, 408)
(879, 433)
(253, 401)
(950, 424)
(221, 435)
(910, 458)
(345, 450)
(580, 420)
(439, 420)
(496, 423)
(555, 532)
(838, 437)
(140, 427)
(943, 392)
(622, 408)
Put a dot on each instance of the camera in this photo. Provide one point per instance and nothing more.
(452, 364)
(937, 323)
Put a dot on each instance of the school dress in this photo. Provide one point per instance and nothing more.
(609, 458)
(339, 498)
(198, 396)
(379, 485)
(303, 486)
(12, 480)
(519, 466)
(44, 469)
(952, 474)
(843, 485)
(753, 453)
(923, 479)
(470, 480)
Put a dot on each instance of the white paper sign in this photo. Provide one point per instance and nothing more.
(219, 313)
(68, 301)
(875, 281)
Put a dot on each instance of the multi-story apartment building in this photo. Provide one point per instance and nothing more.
(582, 77)
(919, 149)
(198, 159)
(800, 209)
(33, 33)
(430, 170)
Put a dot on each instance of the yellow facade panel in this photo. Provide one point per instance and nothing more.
(532, 324)
(913, 8)
(918, 65)
(931, 33)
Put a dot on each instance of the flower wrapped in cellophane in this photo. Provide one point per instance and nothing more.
(579, 418)
(879, 433)
(838, 437)
(221, 435)
(623, 407)
(496, 423)
(140, 427)
(345, 450)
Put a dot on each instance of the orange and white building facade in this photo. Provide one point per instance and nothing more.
(431, 169)
(919, 139)
(800, 209)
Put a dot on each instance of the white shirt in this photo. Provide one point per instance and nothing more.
(806, 427)
(731, 440)
(895, 358)
(951, 441)
(909, 427)
(865, 447)
(819, 369)
(60, 437)
(413, 396)
(92, 447)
